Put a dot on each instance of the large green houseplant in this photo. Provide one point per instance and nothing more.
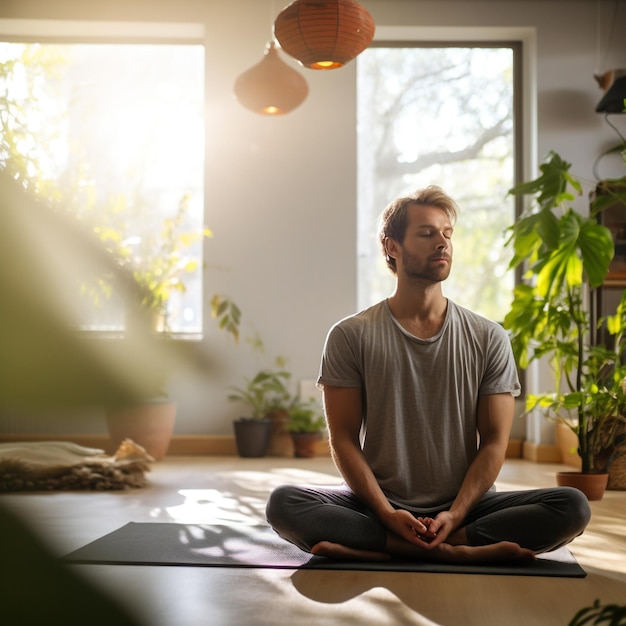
(563, 254)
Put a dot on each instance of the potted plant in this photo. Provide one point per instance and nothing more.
(149, 421)
(306, 423)
(157, 267)
(563, 254)
(266, 394)
(159, 264)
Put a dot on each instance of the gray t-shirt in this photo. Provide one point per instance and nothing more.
(420, 396)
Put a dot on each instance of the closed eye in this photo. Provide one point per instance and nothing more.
(433, 233)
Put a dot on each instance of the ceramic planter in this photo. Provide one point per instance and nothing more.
(304, 444)
(592, 485)
(149, 424)
(281, 443)
(252, 436)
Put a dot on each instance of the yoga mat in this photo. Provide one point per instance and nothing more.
(205, 545)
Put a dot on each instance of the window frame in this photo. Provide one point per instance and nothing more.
(525, 87)
(525, 80)
(522, 42)
(110, 32)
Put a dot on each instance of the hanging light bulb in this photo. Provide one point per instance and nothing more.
(324, 34)
(271, 87)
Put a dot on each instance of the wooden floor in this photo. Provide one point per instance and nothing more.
(230, 490)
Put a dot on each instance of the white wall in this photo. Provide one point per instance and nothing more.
(281, 192)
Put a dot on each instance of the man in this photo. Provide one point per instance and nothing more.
(419, 399)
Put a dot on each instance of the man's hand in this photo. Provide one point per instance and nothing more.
(440, 528)
(415, 530)
(425, 532)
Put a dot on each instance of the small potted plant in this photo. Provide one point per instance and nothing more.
(266, 394)
(306, 424)
(563, 254)
(160, 263)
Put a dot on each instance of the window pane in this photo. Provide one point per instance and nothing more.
(115, 134)
(439, 115)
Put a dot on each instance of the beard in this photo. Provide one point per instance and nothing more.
(429, 271)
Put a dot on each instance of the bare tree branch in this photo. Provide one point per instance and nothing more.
(389, 165)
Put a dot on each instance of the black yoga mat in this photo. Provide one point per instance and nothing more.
(205, 545)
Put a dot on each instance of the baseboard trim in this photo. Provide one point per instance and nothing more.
(181, 445)
(203, 445)
(210, 445)
(514, 449)
(102, 442)
(541, 452)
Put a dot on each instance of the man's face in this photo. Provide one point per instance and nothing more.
(426, 252)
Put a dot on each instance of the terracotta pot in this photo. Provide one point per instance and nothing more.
(304, 444)
(280, 443)
(592, 485)
(151, 425)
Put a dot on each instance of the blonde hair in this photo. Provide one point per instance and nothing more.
(393, 220)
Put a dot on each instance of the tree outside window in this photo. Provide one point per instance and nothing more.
(113, 134)
(445, 116)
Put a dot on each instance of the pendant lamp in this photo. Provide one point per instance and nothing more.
(271, 87)
(324, 34)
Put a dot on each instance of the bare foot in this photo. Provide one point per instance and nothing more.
(503, 552)
(339, 552)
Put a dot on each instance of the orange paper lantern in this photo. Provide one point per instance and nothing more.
(324, 34)
(271, 87)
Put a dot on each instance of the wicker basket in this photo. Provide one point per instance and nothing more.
(617, 470)
(617, 473)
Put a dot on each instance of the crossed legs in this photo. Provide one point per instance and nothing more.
(331, 521)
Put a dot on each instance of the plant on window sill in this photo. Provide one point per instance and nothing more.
(159, 266)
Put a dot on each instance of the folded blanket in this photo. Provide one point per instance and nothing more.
(62, 465)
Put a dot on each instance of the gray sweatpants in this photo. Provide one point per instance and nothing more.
(539, 519)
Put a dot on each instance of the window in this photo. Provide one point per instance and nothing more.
(114, 134)
(446, 115)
